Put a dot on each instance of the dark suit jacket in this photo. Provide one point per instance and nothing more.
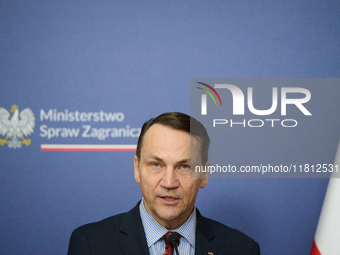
(124, 234)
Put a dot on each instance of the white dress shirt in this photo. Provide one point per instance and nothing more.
(155, 232)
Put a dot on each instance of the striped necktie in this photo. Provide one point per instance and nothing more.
(168, 248)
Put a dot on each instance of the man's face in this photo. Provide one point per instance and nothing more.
(163, 173)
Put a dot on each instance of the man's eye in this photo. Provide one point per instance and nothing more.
(185, 167)
(155, 165)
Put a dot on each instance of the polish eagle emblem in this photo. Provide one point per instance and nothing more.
(16, 127)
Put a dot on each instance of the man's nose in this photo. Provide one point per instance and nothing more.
(169, 178)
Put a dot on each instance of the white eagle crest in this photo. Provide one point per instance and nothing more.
(15, 128)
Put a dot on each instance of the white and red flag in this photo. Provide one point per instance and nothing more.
(327, 235)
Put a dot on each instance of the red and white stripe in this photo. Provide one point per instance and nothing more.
(88, 147)
(327, 236)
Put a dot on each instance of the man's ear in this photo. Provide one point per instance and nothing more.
(205, 178)
(136, 168)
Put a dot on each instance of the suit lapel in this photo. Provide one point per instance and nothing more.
(204, 235)
(133, 239)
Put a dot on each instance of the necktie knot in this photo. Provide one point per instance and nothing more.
(168, 248)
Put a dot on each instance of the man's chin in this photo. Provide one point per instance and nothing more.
(169, 218)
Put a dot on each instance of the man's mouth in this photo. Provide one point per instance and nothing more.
(169, 198)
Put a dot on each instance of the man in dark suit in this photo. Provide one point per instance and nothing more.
(168, 149)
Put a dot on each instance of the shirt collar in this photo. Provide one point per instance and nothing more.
(155, 231)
